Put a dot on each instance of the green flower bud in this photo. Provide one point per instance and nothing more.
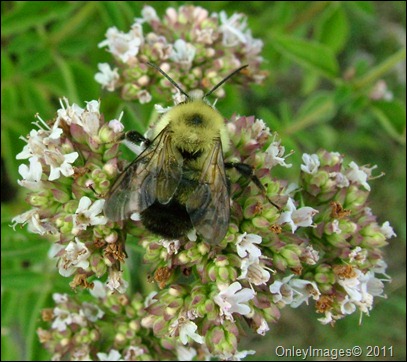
(221, 270)
(97, 264)
(60, 195)
(355, 198)
(372, 237)
(279, 262)
(291, 254)
(43, 199)
(106, 134)
(220, 341)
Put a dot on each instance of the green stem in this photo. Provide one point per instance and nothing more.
(31, 328)
(378, 71)
(74, 22)
(68, 77)
(312, 11)
(308, 120)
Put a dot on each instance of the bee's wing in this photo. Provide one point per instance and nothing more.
(154, 175)
(209, 204)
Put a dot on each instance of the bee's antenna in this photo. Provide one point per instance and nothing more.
(224, 80)
(169, 78)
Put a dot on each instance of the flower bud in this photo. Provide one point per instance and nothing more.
(97, 264)
(372, 237)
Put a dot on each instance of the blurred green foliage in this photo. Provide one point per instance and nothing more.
(324, 59)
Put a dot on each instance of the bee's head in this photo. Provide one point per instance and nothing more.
(197, 94)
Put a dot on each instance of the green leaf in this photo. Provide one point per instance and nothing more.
(39, 60)
(310, 83)
(310, 54)
(317, 109)
(392, 116)
(7, 67)
(380, 70)
(33, 13)
(365, 8)
(22, 280)
(333, 28)
(114, 12)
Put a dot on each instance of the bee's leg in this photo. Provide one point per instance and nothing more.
(248, 172)
(135, 137)
(132, 140)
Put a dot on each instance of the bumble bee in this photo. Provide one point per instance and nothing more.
(179, 181)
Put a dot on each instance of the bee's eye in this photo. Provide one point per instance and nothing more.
(195, 119)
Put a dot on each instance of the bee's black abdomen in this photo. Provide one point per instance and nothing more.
(170, 220)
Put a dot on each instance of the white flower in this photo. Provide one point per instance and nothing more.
(282, 291)
(60, 298)
(387, 230)
(183, 53)
(31, 174)
(99, 290)
(362, 288)
(352, 286)
(133, 352)
(380, 268)
(358, 254)
(59, 163)
(335, 227)
(172, 246)
(75, 256)
(327, 319)
(237, 356)
(347, 306)
(187, 330)
(115, 281)
(254, 272)
(35, 145)
(293, 291)
(274, 155)
(303, 289)
(242, 354)
(340, 179)
(253, 47)
(90, 118)
(184, 353)
(149, 300)
(124, 46)
(160, 109)
(107, 76)
(35, 224)
(82, 353)
(233, 299)
(91, 312)
(232, 29)
(112, 356)
(311, 256)
(296, 218)
(69, 114)
(144, 96)
(245, 246)
(38, 141)
(359, 175)
(311, 163)
(263, 328)
(148, 14)
(381, 91)
(87, 214)
(116, 125)
(64, 318)
(371, 285)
